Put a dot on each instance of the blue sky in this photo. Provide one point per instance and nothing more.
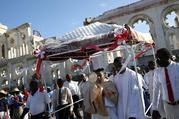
(54, 17)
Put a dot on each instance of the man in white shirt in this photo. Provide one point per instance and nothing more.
(149, 77)
(73, 86)
(166, 77)
(84, 78)
(130, 97)
(37, 102)
(62, 97)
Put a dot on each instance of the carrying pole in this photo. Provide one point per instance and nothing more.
(140, 89)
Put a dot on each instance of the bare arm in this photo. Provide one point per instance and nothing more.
(7, 109)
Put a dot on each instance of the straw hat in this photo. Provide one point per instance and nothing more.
(15, 90)
(3, 92)
(92, 77)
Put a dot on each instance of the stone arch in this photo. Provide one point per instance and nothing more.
(149, 21)
(3, 51)
(141, 17)
(167, 11)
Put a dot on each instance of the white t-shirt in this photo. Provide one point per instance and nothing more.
(38, 102)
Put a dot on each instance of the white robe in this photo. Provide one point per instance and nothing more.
(130, 100)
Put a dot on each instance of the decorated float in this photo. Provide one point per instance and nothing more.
(96, 38)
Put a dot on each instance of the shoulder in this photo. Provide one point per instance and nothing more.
(158, 70)
(20, 96)
(130, 72)
(175, 64)
(74, 82)
(66, 89)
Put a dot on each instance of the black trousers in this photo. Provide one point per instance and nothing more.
(77, 107)
(65, 113)
(39, 116)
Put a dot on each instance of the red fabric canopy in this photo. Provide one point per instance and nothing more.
(71, 48)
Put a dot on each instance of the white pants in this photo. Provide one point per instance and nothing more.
(171, 111)
(2, 115)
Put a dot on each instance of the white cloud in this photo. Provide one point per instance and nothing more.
(102, 4)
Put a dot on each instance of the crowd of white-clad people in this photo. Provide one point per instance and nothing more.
(123, 94)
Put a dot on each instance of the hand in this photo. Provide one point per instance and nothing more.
(53, 115)
(46, 114)
(132, 118)
(155, 114)
(71, 113)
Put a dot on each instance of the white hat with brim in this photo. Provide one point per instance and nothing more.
(15, 90)
(3, 92)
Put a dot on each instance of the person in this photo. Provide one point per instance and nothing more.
(110, 94)
(83, 80)
(82, 86)
(62, 97)
(26, 93)
(50, 93)
(130, 100)
(17, 104)
(37, 102)
(3, 105)
(76, 94)
(148, 77)
(166, 77)
(10, 103)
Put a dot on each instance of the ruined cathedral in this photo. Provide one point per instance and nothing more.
(17, 63)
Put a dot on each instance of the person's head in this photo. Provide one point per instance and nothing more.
(138, 69)
(151, 65)
(24, 89)
(118, 62)
(100, 77)
(34, 85)
(163, 57)
(173, 58)
(48, 89)
(55, 86)
(15, 91)
(146, 69)
(83, 76)
(60, 82)
(68, 77)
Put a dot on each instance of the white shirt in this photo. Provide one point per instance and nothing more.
(73, 86)
(129, 95)
(38, 102)
(160, 80)
(66, 97)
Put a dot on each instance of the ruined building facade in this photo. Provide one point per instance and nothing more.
(155, 14)
(17, 63)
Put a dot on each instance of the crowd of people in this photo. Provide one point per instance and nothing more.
(124, 94)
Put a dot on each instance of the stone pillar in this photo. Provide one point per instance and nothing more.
(177, 18)
(9, 74)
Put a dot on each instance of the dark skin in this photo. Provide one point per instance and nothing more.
(118, 65)
(83, 77)
(162, 62)
(152, 66)
(69, 77)
(100, 77)
(60, 85)
(33, 88)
